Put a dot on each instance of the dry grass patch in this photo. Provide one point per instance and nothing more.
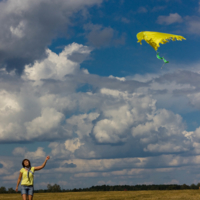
(114, 195)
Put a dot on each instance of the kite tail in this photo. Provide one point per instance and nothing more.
(161, 58)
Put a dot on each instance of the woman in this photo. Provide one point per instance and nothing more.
(27, 176)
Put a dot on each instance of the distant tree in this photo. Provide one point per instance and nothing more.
(2, 189)
(198, 185)
(173, 187)
(49, 187)
(11, 190)
(75, 190)
(56, 188)
(193, 186)
(53, 188)
(184, 187)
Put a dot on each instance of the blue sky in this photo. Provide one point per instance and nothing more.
(76, 85)
(127, 19)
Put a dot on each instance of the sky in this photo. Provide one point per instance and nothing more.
(76, 85)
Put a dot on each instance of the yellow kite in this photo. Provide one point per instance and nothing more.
(157, 38)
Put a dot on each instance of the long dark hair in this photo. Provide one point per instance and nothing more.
(28, 161)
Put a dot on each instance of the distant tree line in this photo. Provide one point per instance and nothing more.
(57, 188)
(10, 190)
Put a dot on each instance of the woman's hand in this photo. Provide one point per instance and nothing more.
(48, 157)
(16, 189)
(43, 165)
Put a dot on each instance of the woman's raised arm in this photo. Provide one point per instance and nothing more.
(43, 165)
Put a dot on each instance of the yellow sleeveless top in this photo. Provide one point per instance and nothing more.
(27, 180)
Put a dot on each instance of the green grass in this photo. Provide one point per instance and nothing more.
(121, 195)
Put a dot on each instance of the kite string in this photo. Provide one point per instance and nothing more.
(163, 65)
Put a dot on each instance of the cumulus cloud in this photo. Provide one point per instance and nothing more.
(12, 177)
(99, 165)
(156, 132)
(172, 18)
(111, 116)
(19, 151)
(194, 99)
(173, 181)
(24, 37)
(115, 124)
(22, 151)
(59, 150)
(69, 165)
(49, 121)
(122, 128)
(73, 144)
(27, 116)
(57, 66)
(38, 154)
(115, 129)
(193, 24)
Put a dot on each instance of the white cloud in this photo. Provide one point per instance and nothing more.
(193, 24)
(38, 154)
(8, 103)
(172, 18)
(119, 118)
(19, 30)
(163, 133)
(99, 165)
(28, 27)
(25, 116)
(19, 151)
(118, 78)
(63, 183)
(194, 99)
(12, 177)
(22, 151)
(173, 181)
(109, 115)
(59, 103)
(108, 183)
(56, 66)
(47, 123)
(9, 114)
(72, 145)
(82, 124)
(7, 165)
(90, 174)
(59, 149)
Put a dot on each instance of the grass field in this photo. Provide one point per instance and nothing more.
(122, 195)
